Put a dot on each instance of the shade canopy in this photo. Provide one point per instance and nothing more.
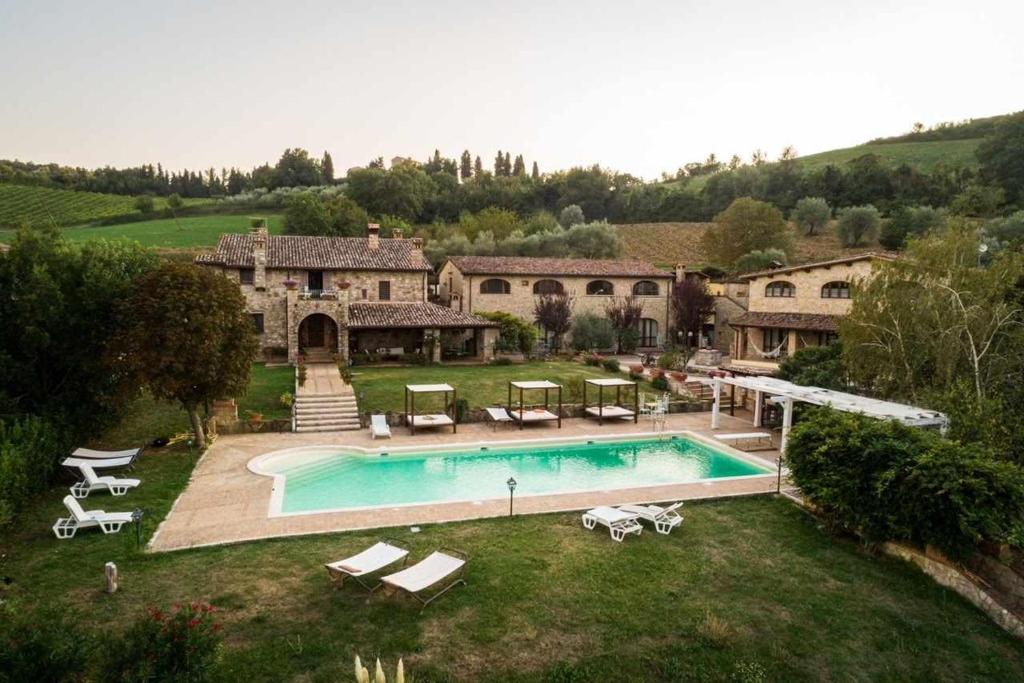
(427, 388)
(535, 384)
(611, 382)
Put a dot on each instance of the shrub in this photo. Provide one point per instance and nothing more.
(660, 383)
(591, 331)
(914, 221)
(670, 360)
(287, 399)
(501, 361)
(858, 224)
(610, 364)
(810, 214)
(886, 481)
(761, 259)
(46, 646)
(180, 645)
(593, 359)
(629, 339)
(145, 203)
(461, 409)
(29, 449)
(514, 333)
(816, 366)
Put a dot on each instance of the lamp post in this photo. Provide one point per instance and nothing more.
(511, 489)
(137, 518)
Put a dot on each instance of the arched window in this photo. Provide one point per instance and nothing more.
(780, 288)
(600, 288)
(648, 332)
(836, 290)
(547, 287)
(645, 288)
(495, 286)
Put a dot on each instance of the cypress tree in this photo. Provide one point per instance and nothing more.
(499, 163)
(519, 169)
(478, 167)
(466, 165)
(535, 173)
(327, 168)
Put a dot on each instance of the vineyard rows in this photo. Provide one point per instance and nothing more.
(45, 206)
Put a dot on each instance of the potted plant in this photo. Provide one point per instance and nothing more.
(291, 284)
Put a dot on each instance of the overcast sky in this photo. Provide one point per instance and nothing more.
(641, 87)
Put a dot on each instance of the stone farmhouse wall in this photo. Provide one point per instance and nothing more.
(808, 285)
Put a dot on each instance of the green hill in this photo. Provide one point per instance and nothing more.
(924, 156)
(45, 206)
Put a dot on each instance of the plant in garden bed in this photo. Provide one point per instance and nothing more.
(610, 364)
(636, 372)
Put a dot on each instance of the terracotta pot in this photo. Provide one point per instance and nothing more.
(291, 284)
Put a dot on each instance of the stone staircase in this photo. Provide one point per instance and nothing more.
(325, 403)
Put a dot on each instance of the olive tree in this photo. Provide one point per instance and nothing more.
(187, 337)
(747, 225)
(811, 214)
(858, 224)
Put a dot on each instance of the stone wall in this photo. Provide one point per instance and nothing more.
(808, 285)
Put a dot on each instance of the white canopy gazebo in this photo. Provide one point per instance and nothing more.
(544, 414)
(786, 393)
(617, 410)
(431, 419)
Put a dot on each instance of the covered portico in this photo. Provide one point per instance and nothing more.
(400, 328)
(786, 394)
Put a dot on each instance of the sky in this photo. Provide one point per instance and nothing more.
(639, 87)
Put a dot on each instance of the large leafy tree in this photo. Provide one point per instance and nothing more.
(187, 337)
(1002, 157)
(692, 303)
(858, 225)
(553, 312)
(57, 316)
(296, 168)
(747, 225)
(816, 366)
(811, 214)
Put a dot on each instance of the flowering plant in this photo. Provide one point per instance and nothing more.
(181, 644)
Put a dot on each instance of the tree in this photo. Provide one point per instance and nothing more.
(857, 224)
(466, 165)
(978, 199)
(345, 218)
(145, 203)
(1006, 232)
(1001, 156)
(499, 164)
(747, 225)
(596, 240)
(811, 214)
(296, 168)
(816, 366)
(514, 334)
(570, 216)
(327, 168)
(478, 168)
(592, 332)
(535, 172)
(175, 202)
(188, 338)
(553, 312)
(625, 314)
(519, 168)
(404, 190)
(910, 221)
(692, 303)
(306, 214)
(761, 259)
(499, 223)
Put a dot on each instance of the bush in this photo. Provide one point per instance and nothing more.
(180, 645)
(287, 399)
(501, 361)
(816, 366)
(761, 259)
(46, 646)
(906, 222)
(515, 335)
(886, 481)
(593, 359)
(629, 339)
(610, 364)
(29, 450)
(145, 203)
(660, 383)
(858, 224)
(592, 332)
(670, 360)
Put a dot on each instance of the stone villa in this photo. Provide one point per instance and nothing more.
(321, 296)
(791, 308)
(474, 284)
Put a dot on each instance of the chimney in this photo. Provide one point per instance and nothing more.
(417, 243)
(373, 234)
(259, 257)
(396, 233)
(680, 272)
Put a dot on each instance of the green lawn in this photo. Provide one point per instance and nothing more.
(749, 585)
(383, 389)
(264, 395)
(168, 233)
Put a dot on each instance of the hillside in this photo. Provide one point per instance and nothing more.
(44, 206)
(666, 244)
(924, 156)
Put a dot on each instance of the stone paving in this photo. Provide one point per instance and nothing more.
(226, 503)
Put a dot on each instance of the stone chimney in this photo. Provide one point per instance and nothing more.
(373, 234)
(396, 233)
(259, 257)
(680, 271)
(417, 243)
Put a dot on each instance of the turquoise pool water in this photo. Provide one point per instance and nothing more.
(340, 481)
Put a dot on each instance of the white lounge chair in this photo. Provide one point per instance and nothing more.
(108, 522)
(373, 559)
(498, 415)
(762, 439)
(428, 573)
(90, 454)
(108, 463)
(619, 523)
(665, 519)
(92, 482)
(379, 426)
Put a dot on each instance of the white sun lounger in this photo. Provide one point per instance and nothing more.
(379, 426)
(108, 463)
(373, 559)
(90, 454)
(498, 415)
(92, 482)
(429, 572)
(760, 437)
(108, 522)
(665, 519)
(619, 523)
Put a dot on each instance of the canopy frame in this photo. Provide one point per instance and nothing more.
(535, 386)
(449, 407)
(618, 384)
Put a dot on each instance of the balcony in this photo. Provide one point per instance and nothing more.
(320, 294)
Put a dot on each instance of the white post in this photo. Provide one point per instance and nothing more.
(716, 385)
(110, 572)
(787, 422)
(757, 408)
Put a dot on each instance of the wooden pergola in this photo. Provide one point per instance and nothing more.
(448, 417)
(617, 410)
(535, 414)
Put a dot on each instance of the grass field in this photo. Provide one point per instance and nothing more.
(383, 389)
(924, 156)
(745, 590)
(666, 244)
(183, 233)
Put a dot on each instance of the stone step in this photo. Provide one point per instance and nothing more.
(316, 421)
(327, 415)
(327, 428)
(326, 398)
(326, 404)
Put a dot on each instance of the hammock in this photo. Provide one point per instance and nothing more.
(774, 353)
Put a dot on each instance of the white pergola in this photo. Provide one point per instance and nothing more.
(786, 393)
(535, 415)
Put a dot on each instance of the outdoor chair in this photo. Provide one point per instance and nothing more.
(379, 427)
(428, 574)
(619, 523)
(664, 519)
(92, 482)
(108, 522)
(371, 560)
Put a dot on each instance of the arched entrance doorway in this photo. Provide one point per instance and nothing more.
(318, 331)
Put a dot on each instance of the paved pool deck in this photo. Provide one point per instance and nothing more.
(226, 503)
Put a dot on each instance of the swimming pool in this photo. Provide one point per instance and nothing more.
(332, 478)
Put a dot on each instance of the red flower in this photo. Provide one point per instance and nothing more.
(216, 627)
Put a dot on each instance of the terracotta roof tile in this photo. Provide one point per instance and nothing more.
(390, 315)
(871, 255)
(327, 253)
(788, 321)
(526, 265)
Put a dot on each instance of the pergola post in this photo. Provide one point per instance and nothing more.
(787, 422)
(636, 402)
(455, 409)
(412, 403)
(716, 386)
(600, 405)
(521, 408)
(559, 406)
(757, 408)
